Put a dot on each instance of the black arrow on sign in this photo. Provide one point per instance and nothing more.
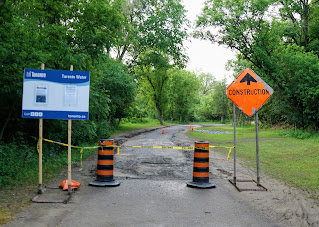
(248, 78)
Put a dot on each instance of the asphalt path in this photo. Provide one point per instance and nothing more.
(152, 192)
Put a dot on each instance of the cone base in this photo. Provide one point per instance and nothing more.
(113, 183)
(200, 185)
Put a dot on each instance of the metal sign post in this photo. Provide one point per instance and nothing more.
(257, 150)
(249, 93)
(234, 122)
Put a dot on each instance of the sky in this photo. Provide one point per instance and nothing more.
(205, 56)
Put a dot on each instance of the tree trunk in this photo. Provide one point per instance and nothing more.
(305, 22)
(118, 125)
(121, 55)
(5, 124)
(160, 117)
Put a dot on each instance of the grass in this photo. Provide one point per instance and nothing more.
(126, 126)
(129, 126)
(5, 215)
(292, 160)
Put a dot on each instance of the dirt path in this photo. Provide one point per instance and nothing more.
(153, 192)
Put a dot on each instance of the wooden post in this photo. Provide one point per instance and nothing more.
(69, 156)
(69, 150)
(40, 189)
(40, 155)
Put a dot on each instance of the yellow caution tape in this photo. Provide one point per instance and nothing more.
(221, 147)
(118, 147)
(172, 148)
(229, 154)
(64, 144)
(224, 147)
(81, 151)
(38, 149)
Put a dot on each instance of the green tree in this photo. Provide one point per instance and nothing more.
(207, 81)
(204, 109)
(113, 79)
(159, 25)
(152, 71)
(182, 91)
(314, 28)
(222, 106)
(153, 43)
(98, 26)
(17, 51)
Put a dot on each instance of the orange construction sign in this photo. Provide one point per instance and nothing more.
(249, 92)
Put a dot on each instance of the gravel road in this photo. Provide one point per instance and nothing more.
(153, 191)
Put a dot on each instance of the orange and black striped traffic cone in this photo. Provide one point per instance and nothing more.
(201, 167)
(105, 165)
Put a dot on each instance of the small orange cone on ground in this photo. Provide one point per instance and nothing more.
(163, 131)
(74, 185)
(192, 129)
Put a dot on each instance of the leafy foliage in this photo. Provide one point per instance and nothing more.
(157, 25)
(115, 82)
(182, 92)
(152, 71)
(277, 39)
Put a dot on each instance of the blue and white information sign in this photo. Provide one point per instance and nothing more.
(56, 94)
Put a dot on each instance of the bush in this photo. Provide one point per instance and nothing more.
(299, 134)
(14, 161)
